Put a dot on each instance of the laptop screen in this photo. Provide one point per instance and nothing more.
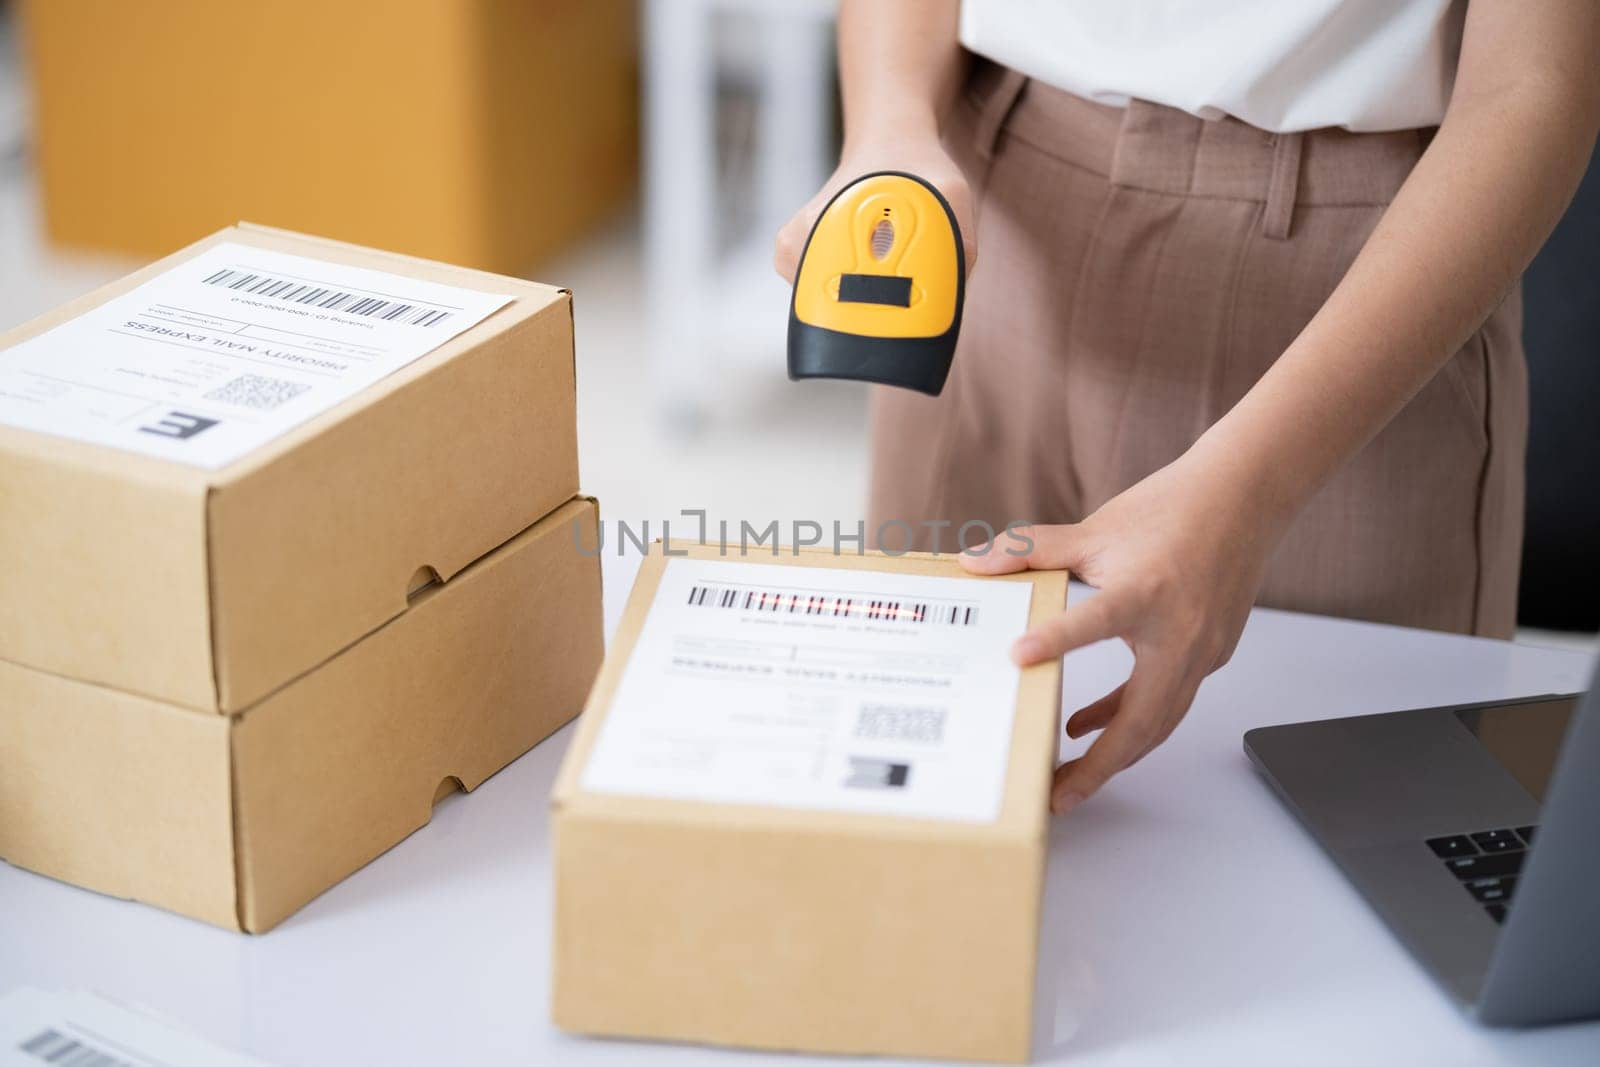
(1523, 738)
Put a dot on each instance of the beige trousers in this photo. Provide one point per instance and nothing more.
(1138, 270)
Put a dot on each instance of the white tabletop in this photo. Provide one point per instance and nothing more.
(1187, 919)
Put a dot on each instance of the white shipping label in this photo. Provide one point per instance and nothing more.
(818, 688)
(226, 351)
(79, 1029)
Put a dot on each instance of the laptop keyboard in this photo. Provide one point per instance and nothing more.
(1486, 863)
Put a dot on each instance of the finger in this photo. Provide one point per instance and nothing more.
(1094, 717)
(1142, 714)
(786, 251)
(1018, 548)
(1095, 619)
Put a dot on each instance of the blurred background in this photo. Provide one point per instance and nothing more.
(500, 134)
(639, 152)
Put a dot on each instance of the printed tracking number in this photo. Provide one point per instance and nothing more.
(52, 1046)
(770, 602)
(294, 292)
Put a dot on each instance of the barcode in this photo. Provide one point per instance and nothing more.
(257, 391)
(52, 1046)
(892, 722)
(294, 292)
(832, 605)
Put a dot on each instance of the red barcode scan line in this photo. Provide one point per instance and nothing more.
(833, 605)
(294, 292)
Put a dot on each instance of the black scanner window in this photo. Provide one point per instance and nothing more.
(875, 289)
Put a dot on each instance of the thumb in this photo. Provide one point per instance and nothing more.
(791, 240)
(1019, 548)
(794, 234)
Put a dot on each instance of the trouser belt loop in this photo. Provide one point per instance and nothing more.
(1283, 187)
(996, 108)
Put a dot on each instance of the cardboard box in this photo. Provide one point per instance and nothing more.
(241, 820)
(212, 588)
(823, 931)
(485, 132)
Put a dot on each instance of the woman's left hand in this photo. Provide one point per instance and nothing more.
(1178, 565)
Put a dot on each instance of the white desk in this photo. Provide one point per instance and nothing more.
(1187, 919)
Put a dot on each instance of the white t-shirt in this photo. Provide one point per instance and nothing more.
(1281, 65)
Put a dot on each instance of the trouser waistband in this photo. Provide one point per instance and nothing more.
(1165, 150)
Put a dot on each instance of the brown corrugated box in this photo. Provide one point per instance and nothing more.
(240, 820)
(210, 589)
(804, 930)
(485, 132)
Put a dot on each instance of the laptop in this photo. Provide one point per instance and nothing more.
(1474, 832)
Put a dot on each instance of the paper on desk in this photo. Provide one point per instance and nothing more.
(83, 1030)
(818, 688)
(227, 350)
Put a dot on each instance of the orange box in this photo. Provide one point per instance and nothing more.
(489, 133)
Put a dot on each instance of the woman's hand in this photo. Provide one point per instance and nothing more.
(1178, 566)
(920, 154)
(900, 64)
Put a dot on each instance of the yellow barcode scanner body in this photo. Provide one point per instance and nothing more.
(878, 294)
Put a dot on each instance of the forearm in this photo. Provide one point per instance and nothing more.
(899, 64)
(1477, 207)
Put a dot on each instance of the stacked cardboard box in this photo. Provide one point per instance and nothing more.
(223, 690)
(483, 132)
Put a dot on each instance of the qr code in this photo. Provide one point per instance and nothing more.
(896, 722)
(255, 391)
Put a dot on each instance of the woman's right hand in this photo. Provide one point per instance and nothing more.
(921, 155)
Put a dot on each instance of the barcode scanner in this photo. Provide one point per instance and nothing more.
(878, 294)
